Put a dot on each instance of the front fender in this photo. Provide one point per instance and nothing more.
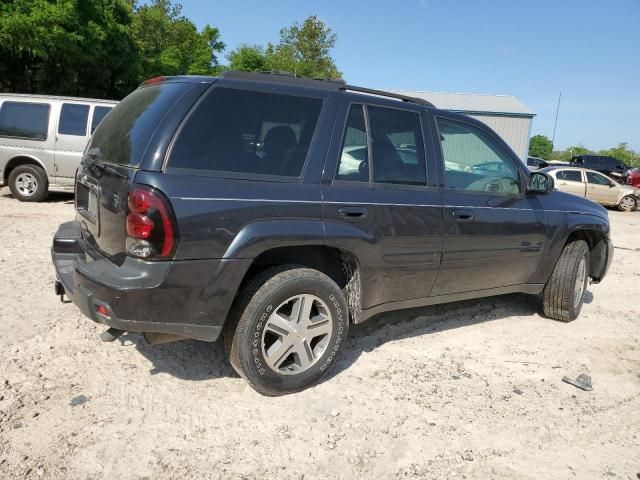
(563, 225)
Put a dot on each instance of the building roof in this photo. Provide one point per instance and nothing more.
(473, 103)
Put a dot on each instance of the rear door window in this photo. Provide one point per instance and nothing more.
(73, 119)
(24, 120)
(98, 115)
(247, 132)
(569, 175)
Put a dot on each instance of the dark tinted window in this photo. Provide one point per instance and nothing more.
(248, 132)
(598, 179)
(123, 136)
(98, 115)
(73, 119)
(396, 146)
(570, 175)
(353, 164)
(611, 163)
(24, 120)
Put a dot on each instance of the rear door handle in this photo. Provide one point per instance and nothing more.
(463, 215)
(353, 212)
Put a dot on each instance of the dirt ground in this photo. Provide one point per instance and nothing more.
(467, 390)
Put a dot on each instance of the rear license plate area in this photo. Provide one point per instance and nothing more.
(87, 203)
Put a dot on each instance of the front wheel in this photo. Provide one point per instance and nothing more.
(628, 204)
(563, 294)
(287, 328)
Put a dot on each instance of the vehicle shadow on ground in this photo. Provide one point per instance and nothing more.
(196, 360)
(53, 197)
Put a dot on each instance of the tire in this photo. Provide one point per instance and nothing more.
(29, 183)
(563, 295)
(628, 204)
(277, 354)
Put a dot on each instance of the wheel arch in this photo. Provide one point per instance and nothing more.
(22, 159)
(593, 229)
(340, 265)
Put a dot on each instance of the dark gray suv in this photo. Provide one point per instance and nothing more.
(276, 211)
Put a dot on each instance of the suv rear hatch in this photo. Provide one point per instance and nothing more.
(118, 148)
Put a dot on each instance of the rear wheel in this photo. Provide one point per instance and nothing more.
(563, 295)
(628, 204)
(287, 329)
(28, 183)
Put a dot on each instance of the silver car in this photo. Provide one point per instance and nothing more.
(595, 186)
(42, 139)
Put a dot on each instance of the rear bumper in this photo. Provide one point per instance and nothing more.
(186, 298)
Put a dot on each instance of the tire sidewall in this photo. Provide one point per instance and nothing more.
(575, 311)
(41, 191)
(250, 346)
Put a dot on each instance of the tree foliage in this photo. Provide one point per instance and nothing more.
(540, 146)
(99, 48)
(170, 44)
(304, 50)
(67, 47)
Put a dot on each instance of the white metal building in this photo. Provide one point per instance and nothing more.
(505, 114)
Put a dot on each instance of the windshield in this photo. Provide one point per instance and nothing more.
(122, 137)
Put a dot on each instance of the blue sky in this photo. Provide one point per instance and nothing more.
(589, 50)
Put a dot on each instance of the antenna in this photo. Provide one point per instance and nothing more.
(553, 138)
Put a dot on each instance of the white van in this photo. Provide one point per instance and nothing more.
(42, 139)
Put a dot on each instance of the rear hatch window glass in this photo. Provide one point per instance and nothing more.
(247, 132)
(122, 137)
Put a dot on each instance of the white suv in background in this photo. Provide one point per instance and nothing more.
(42, 139)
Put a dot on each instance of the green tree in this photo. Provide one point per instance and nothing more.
(540, 146)
(170, 43)
(623, 153)
(67, 47)
(248, 58)
(303, 50)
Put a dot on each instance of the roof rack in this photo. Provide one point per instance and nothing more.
(286, 78)
(382, 93)
(324, 83)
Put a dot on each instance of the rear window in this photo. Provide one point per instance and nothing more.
(247, 132)
(24, 120)
(73, 119)
(122, 137)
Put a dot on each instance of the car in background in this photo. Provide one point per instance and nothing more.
(42, 139)
(535, 163)
(633, 177)
(610, 166)
(594, 186)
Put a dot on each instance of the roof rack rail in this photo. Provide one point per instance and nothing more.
(285, 77)
(325, 83)
(382, 93)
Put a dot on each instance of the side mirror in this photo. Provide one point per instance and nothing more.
(540, 183)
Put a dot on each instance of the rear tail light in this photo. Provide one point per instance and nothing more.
(150, 224)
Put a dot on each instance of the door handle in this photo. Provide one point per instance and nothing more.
(463, 215)
(353, 212)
